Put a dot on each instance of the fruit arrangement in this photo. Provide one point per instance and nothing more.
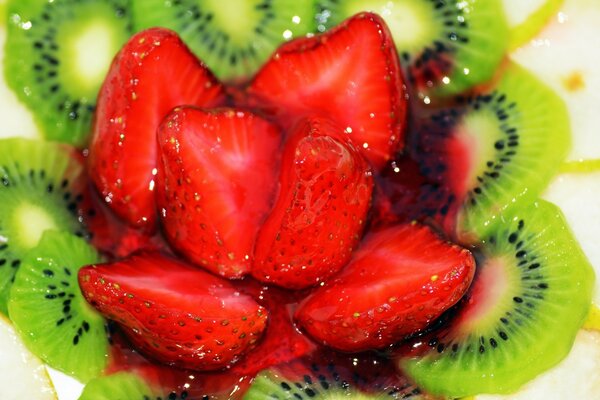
(354, 212)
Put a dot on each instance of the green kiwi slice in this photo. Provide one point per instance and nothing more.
(531, 294)
(119, 386)
(41, 187)
(448, 45)
(49, 311)
(56, 56)
(495, 148)
(233, 39)
(328, 377)
(129, 386)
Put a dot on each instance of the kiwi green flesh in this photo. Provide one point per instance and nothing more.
(447, 45)
(49, 311)
(233, 40)
(531, 294)
(518, 134)
(329, 380)
(56, 57)
(40, 189)
(119, 386)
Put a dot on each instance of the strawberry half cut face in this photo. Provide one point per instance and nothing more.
(153, 73)
(215, 185)
(350, 74)
(321, 209)
(398, 282)
(175, 313)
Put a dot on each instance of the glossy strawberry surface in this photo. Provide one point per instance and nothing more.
(398, 282)
(177, 314)
(216, 182)
(153, 73)
(350, 74)
(321, 209)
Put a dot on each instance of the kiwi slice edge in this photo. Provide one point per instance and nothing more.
(534, 139)
(41, 188)
(460, 48)
(56, 57)
(49, 311)
(533, 331)
(233, 41)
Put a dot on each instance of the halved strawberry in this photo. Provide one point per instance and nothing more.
(216, 184)
(153, 73)
(175, 313)
(320, 212)
(399, 281)
(351, 74)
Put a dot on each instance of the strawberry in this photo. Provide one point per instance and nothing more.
(216, 183)
(399, 281)
(175, 313)
(351, 74)
(153, 73)
(320, 212)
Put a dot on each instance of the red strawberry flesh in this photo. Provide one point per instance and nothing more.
(175, 313)
(320, 211)
(350, 74)
(399, 281)
(153, 73)
(216, 184)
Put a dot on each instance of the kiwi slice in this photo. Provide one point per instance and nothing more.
(329, 376)
(41, 187)
(56, 56)
(448, 45)
(494, 149)
(233, 39)
(119, 386)
(130, 386)
(531, 294)
(49, 311)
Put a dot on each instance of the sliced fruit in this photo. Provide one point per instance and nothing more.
(57, 54)
(527, 18)
(50, 313)
(531, 295)
(17, 119)
(575, 78)
(498, 148)
(119, 386)
(235, 40)
(153, 73)
(576, 377)
(350, 74)
(447, 45)
(320, 211)
(174, 313)
(577, 195)
(399, 281)
(41, 187)
(216, 184)
(327, 376)
(23, 374)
